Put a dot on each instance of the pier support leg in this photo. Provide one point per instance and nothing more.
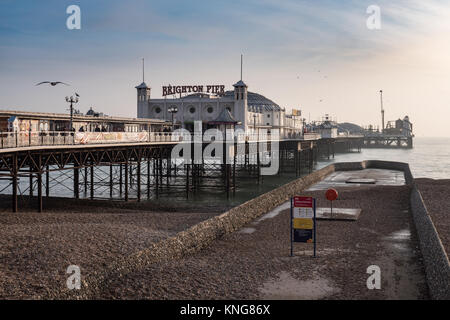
(187, 181)
(160, 174)
(76, 182)
(14, 184)
(85, 180)
(31, 181)
(155, 177)
(148, 178)
(258, 162)
(138, 173)
(92, 180)
(126, 177)
(234, 168)
(39, 184)
(111, 181)
(47, 181)
(120, 180)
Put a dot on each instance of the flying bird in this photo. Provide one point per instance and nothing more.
(52, 83)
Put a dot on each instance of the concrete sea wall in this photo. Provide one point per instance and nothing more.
(436, 261)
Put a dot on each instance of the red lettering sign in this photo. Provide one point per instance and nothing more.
(303, 202)
(171, 90)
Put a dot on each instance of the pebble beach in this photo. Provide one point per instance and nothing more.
(37, 248)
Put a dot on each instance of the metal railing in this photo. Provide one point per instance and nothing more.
(26, 139)
(57, 138)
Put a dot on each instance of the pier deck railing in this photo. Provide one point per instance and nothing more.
(58, 138)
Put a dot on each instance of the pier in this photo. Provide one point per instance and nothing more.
(388, 141)
(145, 169)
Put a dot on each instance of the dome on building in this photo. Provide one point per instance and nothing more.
(257, 102)
(90, 112)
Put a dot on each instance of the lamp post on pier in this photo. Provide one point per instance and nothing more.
(172, 110)
(71, 100)
(254, 125)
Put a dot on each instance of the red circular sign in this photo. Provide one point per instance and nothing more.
(331, 194)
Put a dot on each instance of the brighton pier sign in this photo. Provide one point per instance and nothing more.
(215, 89)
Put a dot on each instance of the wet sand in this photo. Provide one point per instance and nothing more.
(435, 194)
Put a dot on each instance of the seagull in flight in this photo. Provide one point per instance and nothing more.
(52, 83)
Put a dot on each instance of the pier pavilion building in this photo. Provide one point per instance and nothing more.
(186, 104)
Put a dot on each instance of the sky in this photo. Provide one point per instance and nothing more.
(318, 56)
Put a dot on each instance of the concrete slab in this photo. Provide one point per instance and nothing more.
(351, 214)
(361, 181)
(358, 178)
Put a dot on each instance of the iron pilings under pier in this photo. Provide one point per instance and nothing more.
(140, 171)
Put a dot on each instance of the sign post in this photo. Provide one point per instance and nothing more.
(331, 195)
(303, 221)
(292, 229)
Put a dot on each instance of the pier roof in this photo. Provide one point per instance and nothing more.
(225, 117)
(143, 85)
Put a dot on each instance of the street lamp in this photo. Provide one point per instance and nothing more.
(254, 125)
(71, 100)
(172, 110)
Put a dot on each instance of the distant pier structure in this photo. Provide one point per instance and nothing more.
(396, 134)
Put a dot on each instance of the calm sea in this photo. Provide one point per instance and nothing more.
(430, 157)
